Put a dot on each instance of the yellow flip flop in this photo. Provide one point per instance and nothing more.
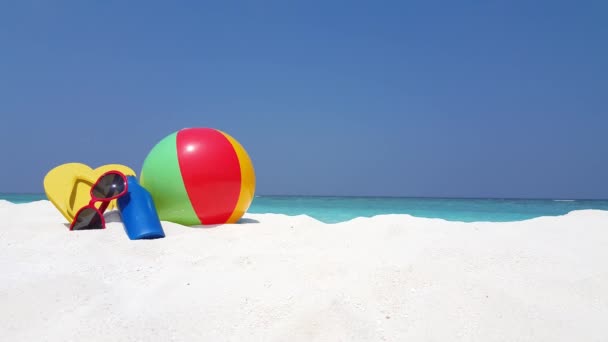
(68, 186)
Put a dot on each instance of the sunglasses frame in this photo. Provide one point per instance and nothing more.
(104, 201)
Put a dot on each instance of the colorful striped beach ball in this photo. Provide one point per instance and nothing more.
(199, 176)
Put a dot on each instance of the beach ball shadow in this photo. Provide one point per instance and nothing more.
(243, 220)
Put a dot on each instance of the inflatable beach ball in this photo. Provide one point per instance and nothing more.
(199, 176)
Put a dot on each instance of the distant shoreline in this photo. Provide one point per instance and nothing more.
(380, 196)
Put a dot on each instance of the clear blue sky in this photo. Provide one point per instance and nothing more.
(398, 98)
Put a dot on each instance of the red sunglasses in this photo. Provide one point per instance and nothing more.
(108, 187)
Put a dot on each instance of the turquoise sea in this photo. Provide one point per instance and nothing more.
(337, 209)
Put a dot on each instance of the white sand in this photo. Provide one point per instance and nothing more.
(389, 278)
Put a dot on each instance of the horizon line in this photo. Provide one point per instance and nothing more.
(388, 196)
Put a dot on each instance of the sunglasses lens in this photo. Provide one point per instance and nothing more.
(109, 185)
(88, 218)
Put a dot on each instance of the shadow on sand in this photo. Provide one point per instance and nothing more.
(239, 222)
(247, 221)
(114, 216)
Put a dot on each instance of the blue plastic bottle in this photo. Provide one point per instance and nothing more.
(139, 213)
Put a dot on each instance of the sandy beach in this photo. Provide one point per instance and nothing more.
(282, 278)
